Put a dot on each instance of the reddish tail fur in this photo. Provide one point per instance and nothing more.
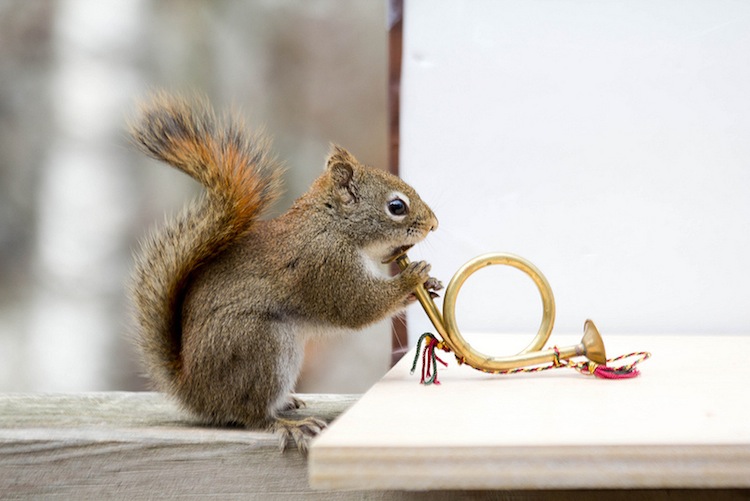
(241, 178)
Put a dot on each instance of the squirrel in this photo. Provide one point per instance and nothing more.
(225, 300)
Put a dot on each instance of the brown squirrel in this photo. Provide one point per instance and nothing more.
(225, 300)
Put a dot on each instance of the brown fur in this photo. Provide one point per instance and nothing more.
(225, 301)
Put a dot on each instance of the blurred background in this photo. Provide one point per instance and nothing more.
(75, 197)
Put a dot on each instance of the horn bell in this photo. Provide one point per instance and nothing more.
(593, 344)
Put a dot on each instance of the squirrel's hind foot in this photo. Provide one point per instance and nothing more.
(298, 431)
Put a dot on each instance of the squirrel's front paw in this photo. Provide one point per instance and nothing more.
(433, 284)
(416, 273)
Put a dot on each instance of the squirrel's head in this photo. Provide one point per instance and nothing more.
(379, 211)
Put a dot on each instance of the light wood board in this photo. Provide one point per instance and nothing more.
(683, 423)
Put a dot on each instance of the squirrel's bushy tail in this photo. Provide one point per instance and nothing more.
(241, 178)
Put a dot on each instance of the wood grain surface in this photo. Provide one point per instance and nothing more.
(684, 422)
(140, 445)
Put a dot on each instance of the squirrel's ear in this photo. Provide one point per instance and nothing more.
(340, 167)
(339, 154)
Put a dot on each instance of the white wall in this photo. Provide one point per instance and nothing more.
(608, 142)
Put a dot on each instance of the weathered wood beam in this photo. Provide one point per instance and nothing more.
(141, 445)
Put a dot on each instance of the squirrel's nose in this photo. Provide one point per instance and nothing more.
(434, 223)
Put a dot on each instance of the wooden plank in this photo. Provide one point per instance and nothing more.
(140, 445)
(684, 423)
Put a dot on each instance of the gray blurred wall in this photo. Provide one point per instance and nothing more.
(75, 197)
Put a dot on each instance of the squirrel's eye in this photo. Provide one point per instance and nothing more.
(398, 207)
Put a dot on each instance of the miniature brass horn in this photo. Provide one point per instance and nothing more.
(591, 345)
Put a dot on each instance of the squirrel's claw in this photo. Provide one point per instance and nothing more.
(292, 404)
(300, 432)
(433, 284)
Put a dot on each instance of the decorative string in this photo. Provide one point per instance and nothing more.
(588, 368)
(429, 358)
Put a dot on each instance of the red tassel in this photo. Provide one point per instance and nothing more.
(429, 358)
(624, 371)
(429, 362)
(605, 372)
(425, 362)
